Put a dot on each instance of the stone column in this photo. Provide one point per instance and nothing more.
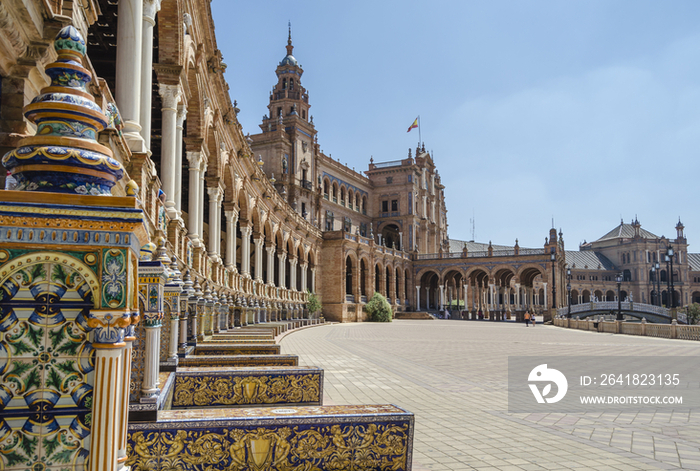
(293, 274)
(179, 126)
(219, 203)
(245, 250)
(108, 406)
(442, 296)
(417, 298)
(270, 264)
(195, 161)
(150, 8)
(282, 258)
(400, 247)
(170, 95)
(304, 266)
(128, 70)
(259, 243)
(125, 387)
(200, 209)
(546, 304)
(313, 280)
(214, 218)
(231, 221)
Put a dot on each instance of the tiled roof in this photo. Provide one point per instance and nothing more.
(694, 261)
(626, 231)
(588, 260)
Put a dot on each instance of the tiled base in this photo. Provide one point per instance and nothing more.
(217, 387)
(244, 349)
(325, 437)
(239, 360)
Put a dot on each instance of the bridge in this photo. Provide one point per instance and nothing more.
(656, 314)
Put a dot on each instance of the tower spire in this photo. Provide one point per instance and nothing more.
(290, 48)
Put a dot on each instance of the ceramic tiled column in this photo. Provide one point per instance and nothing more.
(173, 290)
(128, 70)
(152, 276)
(73, 248)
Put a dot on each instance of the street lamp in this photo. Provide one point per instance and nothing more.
(669, 254)
(618, 278)
(568, 288)
(553, 258)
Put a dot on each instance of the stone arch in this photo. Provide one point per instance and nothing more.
(390, 234)
(429, 289)
(365, 277)
(574, 296)
(585, 296)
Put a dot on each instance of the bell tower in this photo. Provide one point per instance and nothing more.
(287, 144)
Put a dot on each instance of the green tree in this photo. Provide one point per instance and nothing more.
(378, 309)
(693, 311)
(313, 304)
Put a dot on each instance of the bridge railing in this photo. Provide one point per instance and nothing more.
(643, 328)
(607, 306)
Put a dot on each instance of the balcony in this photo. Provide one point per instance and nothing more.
(306, 184)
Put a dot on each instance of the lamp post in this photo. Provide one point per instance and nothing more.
(568, 289)
(618, 278)
(669, 254)
(553, 258)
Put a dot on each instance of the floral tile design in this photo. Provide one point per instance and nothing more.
(46, 364)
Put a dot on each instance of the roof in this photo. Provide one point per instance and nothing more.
(694, 261)
(289, 60)
(626, 231)
(588, 260)
(458, 246)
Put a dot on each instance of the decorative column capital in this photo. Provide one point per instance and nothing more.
(215, 192)
(171, 95)
(109, 327)
(232, 215)
(195, 159)
(181, 115)
(150, 8)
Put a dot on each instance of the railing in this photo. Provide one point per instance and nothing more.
(306, 184)
(393, 163)
(643, 328)
(350, 298)
(628, 306)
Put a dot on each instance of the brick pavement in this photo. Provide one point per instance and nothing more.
(453, 376)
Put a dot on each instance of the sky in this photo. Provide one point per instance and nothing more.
(584, 113)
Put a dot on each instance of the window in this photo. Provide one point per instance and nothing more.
(410, 202)
(279, 111)
(385, 206)
(389, 180)
(347, 224)
(410, 178)
(363, 229)
(394, 205)
(303, 210)
(329, 220)
(284, 84)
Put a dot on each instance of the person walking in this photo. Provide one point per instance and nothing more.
(527, 318)
(532, 318)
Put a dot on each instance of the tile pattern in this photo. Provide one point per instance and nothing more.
(327, 438)
(239, 360)
(238, 387)
(46, 360)
(245, 349)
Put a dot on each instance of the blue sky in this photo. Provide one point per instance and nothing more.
(581, 111)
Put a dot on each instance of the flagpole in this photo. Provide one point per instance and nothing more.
(419, 135)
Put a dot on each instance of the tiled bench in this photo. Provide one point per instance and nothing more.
(250, 387)
(242, 349)
(378, 437)
(239, 360)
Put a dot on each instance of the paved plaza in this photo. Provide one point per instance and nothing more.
(453, 376)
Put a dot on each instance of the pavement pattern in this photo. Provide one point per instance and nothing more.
(453, 376)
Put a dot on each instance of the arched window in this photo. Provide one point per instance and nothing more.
(325, 189)
(284, 84)
(342, 195)
(627, 275)
(348, 276)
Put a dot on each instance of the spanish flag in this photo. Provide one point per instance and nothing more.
(414, 125)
